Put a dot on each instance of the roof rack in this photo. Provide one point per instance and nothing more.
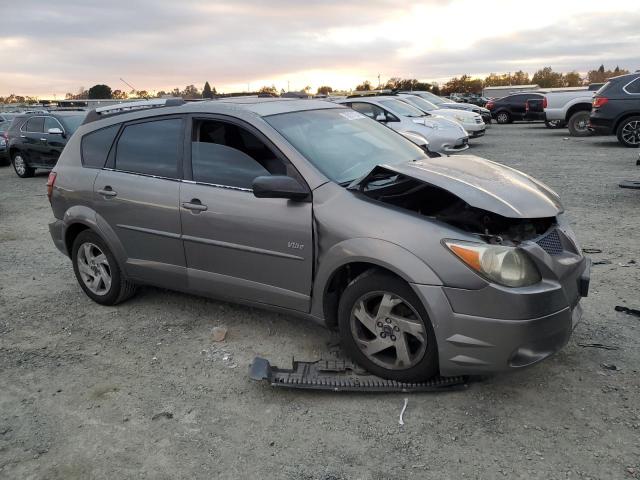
(127, 107)
(388, 93)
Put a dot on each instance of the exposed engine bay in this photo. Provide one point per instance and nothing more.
(431, 201)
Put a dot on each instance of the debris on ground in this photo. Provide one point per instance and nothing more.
(634, 184)
(219, 354)
(167, 415)
(340, 375)
(627, 310)
(609, 366)
(404, 408)
(591, 250)
(601, 262)
(598, 345)
(628, 264)
(218, 334)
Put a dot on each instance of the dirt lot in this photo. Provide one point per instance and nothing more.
(82, 386)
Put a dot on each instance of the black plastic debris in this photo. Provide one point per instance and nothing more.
(635, 184)
(340, 375)
(601, 262)
(591, 250)
(598, 345)
(627, 310)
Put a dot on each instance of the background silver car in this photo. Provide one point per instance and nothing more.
(443, 135)
(425, 265)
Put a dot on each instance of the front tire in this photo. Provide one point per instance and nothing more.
(503, 118)
(628, 132)
(579, 123)
(385, 328)
(97, 270)
(20, 166)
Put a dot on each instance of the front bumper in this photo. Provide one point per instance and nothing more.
(476, 345)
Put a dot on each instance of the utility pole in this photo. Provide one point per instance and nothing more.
(379, 84)
(133, 90)
(288, 89)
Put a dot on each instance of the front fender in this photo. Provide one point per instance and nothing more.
(368, 250)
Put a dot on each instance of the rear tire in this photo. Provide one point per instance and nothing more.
(20, 166)
(628, 132)
(98, 272)
(385, 328)
(503, 118)
(578, 124)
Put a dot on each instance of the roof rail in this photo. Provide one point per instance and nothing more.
(374, 94)
(126, 107)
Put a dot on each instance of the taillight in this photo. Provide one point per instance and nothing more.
(599, 101)
(526, 106)
(50, 182)
(544, 102)
(489, 105)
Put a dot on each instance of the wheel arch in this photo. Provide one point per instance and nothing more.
(622, 118)
(347, 260)
(80, 218)
(578, 107)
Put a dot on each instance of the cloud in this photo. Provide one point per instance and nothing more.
(161, 44)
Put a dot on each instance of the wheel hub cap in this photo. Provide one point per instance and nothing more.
(388, 330)
(631, 133)
(94, 268)
(18, 163)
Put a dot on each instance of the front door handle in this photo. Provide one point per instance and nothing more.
(107, 192)
(194, 205)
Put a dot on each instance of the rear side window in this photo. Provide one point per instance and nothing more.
(150, 148)
(35, 125)
(96, 145)
(633, 87)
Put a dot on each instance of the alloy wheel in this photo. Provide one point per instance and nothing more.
(19, 165)
(388, 330)
(631, 133)
(94, 268)
(502, 118)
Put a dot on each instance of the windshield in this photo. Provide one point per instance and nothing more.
(343, 144)
(421, 103)
(72, 122)
(401, 108)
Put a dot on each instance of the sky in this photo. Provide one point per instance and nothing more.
(236, 45)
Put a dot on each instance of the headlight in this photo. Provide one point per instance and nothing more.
(3, 142)
(508, 266)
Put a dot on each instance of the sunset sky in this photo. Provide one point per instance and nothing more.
(58, 47)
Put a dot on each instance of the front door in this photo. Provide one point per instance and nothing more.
(33, 141)
(53, 142)
(237, 245)
(137, 196)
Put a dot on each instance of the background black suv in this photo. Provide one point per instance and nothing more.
(37, 140)
(514, 107)
(616, 109)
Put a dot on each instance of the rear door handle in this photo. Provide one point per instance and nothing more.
(107, 192)
(194, 205)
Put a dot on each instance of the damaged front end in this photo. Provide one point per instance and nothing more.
(477, 196)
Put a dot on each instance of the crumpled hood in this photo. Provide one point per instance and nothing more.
(484, 184)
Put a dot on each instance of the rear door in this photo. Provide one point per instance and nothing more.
(137, 196)
(237, 245)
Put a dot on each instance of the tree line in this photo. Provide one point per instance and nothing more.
(545, 77)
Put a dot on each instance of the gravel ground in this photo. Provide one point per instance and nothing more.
(141, 391)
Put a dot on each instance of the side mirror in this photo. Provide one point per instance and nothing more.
(381, 117)
(55, 131)
(279, 186)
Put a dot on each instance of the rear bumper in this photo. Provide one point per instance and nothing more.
(477, 345)
(600, 126)
(56, 229)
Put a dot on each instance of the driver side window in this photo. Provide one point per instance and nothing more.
(228, 155)
(368, 109)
